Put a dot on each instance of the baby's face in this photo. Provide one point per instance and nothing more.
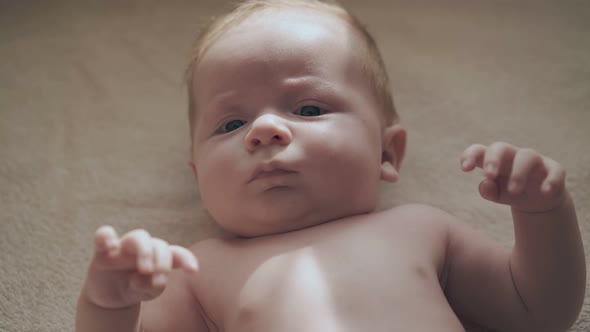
(287, 133)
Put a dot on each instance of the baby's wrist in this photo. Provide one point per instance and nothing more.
(558, 205)
(88, 300)
(87, 297)
(102, 298)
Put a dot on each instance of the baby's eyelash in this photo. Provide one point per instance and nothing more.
(310, 111)
(230, 125)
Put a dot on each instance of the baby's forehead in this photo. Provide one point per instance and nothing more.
(280, 42)
(302, 21)
(301, 47)
(306, 34)
(289, 12)
(301, 50)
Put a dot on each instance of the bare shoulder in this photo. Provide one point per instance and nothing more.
(420, 215)
(421, 210)
(455, 233)
(420, 222)
(212, 250)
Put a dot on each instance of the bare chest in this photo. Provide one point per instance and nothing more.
(348, 276)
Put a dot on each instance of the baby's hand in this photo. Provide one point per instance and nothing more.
(125, 271)
(519, 177)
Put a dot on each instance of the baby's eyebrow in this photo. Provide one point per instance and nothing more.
(306, 82)
(215, 102)
(223, 97)
(311, 87)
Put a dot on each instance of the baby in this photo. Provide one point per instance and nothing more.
(293, 128)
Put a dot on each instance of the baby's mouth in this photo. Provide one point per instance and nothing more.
(268, 174)
(269, 171)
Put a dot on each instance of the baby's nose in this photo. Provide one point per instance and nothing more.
(268, 129)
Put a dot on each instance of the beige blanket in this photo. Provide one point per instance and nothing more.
(93, 123)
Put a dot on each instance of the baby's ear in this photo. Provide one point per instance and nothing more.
(393, 149)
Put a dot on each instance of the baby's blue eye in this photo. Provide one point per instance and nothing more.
(232, 125)
(309, 111)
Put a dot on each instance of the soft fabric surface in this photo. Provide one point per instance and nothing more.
(93, 123)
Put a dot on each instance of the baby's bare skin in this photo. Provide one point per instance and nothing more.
(409, 268)
(289, 147)
(329, 277)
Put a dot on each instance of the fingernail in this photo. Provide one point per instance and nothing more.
(159, 279)
(465, 164)
(146, 264)
(111, 243)
(513, 186)
(194, 265)
(491, 169)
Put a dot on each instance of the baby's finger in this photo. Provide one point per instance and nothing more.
(498, 159)
(105, 240)
(183, 258)
(526, 161)
(555, 180)
(488, 189)
(162, 256)
(472, 157)
(138, 243)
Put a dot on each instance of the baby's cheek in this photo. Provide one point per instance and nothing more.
(346, 175)
(215, 175)
(346, 159)
(352, 147)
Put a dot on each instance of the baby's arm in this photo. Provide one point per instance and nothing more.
(539, 285)
(124, 272)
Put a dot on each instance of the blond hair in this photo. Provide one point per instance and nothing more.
(371, 60)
